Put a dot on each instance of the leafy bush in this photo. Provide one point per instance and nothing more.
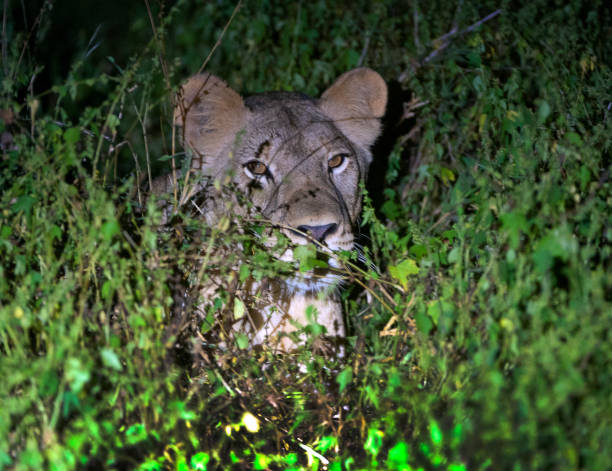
(482, 339)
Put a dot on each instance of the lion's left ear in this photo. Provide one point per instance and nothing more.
(356, 102)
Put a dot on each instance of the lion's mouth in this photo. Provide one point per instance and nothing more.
(325, 277)
(323, 272)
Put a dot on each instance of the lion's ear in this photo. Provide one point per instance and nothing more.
(356, 102)
(211, 115)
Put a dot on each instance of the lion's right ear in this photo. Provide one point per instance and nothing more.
(211, 115)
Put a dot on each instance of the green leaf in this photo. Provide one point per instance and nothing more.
(244, 272)
(49, 383)
(110, 229)
(261, 461)
(399, 454)
(558, 243)
(447, 175)
(574, 138)
(55, 232)
(70, 403)
(438, 308)
(373, 443)
(513, 223)
(239, 308)
(110, 359)
(76, 374)
(543, 111)
(106, 290)
(5, 460)
(136, 433)
(166, 157)
(24, 203)
(418, 250)
(242, 340)
(112, 122)
(423, 322)
(306, 255)
(344, 378)
(200, 460)
(326, 442)
(435, 433)
(71, 136)
(454, 255)
(403, 270)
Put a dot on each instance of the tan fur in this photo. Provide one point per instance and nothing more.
(215, 113)
(296, 138)
(355, 102)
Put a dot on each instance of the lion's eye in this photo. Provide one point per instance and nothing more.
(256, 167)
(336, 160)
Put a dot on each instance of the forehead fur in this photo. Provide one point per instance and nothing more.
(215, 118)
(288, 115)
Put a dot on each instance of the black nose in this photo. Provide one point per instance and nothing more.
(318, 233)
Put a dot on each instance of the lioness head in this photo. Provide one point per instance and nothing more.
(299, 160)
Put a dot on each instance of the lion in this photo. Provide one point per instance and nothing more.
(300, 162)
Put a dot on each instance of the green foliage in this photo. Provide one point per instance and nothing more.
(484, 342)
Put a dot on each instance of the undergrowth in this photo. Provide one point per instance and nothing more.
(479, 331)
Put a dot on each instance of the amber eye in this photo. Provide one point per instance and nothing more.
(257, 168)
(336, 160)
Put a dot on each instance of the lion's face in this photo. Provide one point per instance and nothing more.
(299, 160)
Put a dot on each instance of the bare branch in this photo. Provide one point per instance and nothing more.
(444, 41)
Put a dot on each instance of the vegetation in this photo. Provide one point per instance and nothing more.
(482, 339)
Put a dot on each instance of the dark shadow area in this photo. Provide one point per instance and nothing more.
(394, 126)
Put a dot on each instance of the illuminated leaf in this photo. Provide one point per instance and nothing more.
(435, 432)
(261, 461)
(399, 454)
(373, 443)
(242, 340)
(345, 377)
(239, 308)
(423, 322)
(250, 422)
(306, 255)
(110, 359)
(199, 461)
(403, 270)
(513, 223)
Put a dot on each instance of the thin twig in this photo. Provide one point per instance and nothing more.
(91, 48)
(143, 124)
(25, 44)
(4, 40)
(239, 4)
(415, 30)
(311, 452)
(87, 132)
(162, 61)
(444, 41)
(484, 20)
(173, 150)
(364, 51)
(138, 172)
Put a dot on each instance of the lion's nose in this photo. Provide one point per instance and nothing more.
(318, 233)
